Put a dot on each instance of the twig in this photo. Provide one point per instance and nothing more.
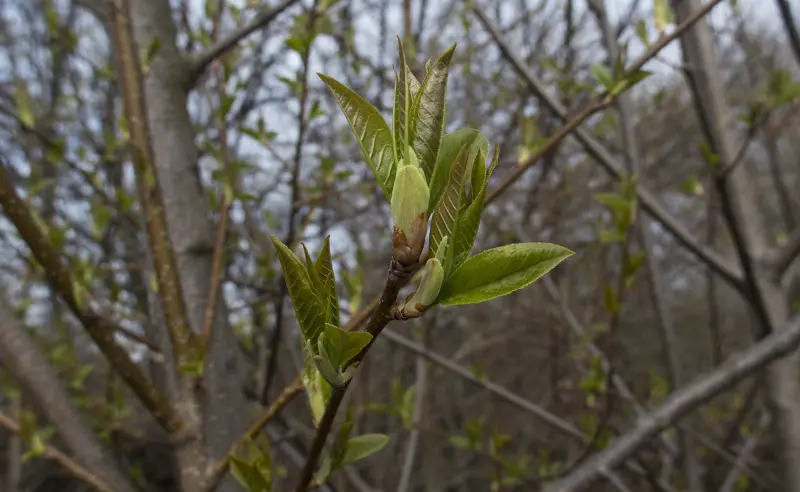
(420, 390)
(222, 228)
(682, 402)
(203, 60)
(286, 396)
(789, 252)
(791, 29)
(495, 389)
(384, 313)
(99, 328)
(730, 272)
(53, 454)
(744, 455)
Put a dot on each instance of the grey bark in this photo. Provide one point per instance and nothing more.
(744, 219)
(689, 460)
(37, 377)
(14, 451)
(190, 229)
(681, 403)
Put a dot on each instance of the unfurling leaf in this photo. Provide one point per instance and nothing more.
(307, 305)
(409, 204)
(317, 388)
(448, 151)
(466, 229)
(500, 271)
(446, 211)
(662, 14)
(363, 446)
(428, 112)
(428, 290)
(406, 87)
(602, 75)
(324, 269)
(371, 131)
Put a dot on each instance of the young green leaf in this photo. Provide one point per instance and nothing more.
(446, 211)
(468, 222)
(428, 113)
(662, 14)
(324, 269)
(448, 151)
(500, 271)
(363, 446)
(307, 306)
(371, 131)
(317, 388)
(249, 476)
(406, 87)
(354, 343)
(466, 230)
(602, 75)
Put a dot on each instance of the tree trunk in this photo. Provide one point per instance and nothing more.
(739, 198)
(190, 229)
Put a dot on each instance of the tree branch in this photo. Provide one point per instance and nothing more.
(681, 403)
(186, 345)
(383, 314)
(789, 253)
(100, 329)
(720, 265)
(791, 29)
(202, 61)
(34, 372)
(286, 396)
(53, 454)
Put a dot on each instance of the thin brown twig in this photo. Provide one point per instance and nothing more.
(222, 228)
(99, 328)
(53, 454)
(727, 270)
(286, 396)
(223, 46)
(681, 402)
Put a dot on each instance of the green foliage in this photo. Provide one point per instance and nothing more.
(346, 450)
(422, 172)
(371, 131)
(34, 437)
(254, 471)
(446, 211)
(500, 271)
(406, 87)
(450, 147)
(662, 14)
(308, 307)
(428, 113)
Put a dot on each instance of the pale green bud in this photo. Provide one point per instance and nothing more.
(409, 206)
(427, 292)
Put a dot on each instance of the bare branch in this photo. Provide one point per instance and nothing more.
(720, 265)
(34, 372)
(789, 253)
(202, 61)
(286, 396)
(53, 454)
(61, 280)
(791, 28)
(681, 403)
